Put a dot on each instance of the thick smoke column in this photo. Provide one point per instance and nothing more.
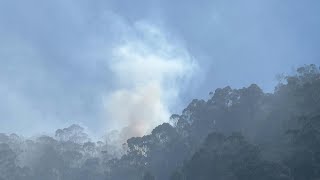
(149, 68)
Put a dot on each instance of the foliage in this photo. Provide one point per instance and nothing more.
(237, 134)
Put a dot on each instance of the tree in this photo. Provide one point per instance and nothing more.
(229, 158)
(74, 133)
(305, 155)
(8, 167)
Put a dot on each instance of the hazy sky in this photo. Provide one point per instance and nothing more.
(97, 63)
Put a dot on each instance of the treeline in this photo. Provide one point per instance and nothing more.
(237, 134)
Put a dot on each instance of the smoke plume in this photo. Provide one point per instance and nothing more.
(149, 69)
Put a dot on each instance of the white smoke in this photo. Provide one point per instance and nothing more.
(149, 68)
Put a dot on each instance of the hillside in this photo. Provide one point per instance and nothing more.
(236, 134)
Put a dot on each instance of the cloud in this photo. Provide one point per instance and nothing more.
(149, 68)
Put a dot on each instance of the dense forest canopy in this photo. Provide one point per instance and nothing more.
(236, 134)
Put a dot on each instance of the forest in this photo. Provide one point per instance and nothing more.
(235, 134)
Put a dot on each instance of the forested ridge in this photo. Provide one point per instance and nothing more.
(236, 134)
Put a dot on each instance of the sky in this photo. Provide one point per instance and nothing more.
(128, 65)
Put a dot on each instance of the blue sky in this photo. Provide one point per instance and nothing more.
(87, 62)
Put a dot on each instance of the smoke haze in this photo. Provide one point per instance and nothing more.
(149, 70)
(159, 90)
(63, 62)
